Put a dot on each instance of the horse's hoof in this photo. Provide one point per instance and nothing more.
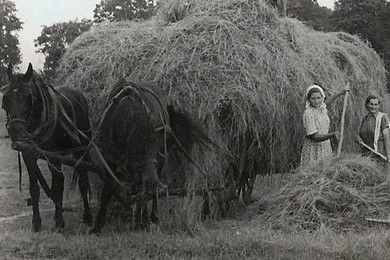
(154, 218)
(94, 230)
(36, 228)
(87, 219)
(60, 230)
(36, 225)
(60, 223)
(141, 227)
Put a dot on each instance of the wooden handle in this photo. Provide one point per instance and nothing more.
(342, 124)
(373, 151)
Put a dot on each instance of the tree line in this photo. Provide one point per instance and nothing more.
(369, 19)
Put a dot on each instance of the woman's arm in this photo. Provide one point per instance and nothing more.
(317, 137)
(386, 139)
(328, 101)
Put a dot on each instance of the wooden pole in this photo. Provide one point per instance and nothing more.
(342, 125)
(373, 151)
(384, 158)
(25, 147)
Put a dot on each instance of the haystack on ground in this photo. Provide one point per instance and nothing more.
(338, 193)
(236, 66)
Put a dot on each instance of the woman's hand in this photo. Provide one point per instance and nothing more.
(328, 101)
(336, 135)
(345, 90)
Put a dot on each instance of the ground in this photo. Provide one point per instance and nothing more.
(240, 238)
(13, 202)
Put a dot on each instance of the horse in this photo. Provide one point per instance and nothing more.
(134, 136)
(53, 120)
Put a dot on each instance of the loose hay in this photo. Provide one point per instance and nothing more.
(339, 193)
(236, 66)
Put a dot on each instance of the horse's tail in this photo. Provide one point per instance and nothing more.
(187, 131)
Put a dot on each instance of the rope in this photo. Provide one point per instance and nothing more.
(20, 172)
(108, 167)
(49, 114)
(116, 99)
(164, 116)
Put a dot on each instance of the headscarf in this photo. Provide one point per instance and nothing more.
(307, 104)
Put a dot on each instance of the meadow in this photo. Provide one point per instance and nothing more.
(243, 236)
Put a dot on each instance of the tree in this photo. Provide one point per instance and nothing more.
(358, 17)
(310, 12)
(55, 39)
(382, 39)
(9, 43)
(120, 10)
(370, 19)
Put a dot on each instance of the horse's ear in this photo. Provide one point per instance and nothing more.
(9, 71)
(29, 73)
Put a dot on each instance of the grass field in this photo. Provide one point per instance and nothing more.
(244, 237)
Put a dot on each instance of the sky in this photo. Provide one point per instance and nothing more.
(36, 13)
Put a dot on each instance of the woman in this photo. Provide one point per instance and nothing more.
(374, 129)
(316, 144)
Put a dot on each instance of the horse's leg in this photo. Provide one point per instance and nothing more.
(151, 182)
(105, 199)
(84, 188)
(32, 168)
(141, 215)
(154, 213)
(57, 188)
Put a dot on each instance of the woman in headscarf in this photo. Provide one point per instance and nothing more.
(374, 129)
(316, 144)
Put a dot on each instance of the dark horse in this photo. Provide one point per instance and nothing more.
(52, 120)
(134, 136)
(132, 130)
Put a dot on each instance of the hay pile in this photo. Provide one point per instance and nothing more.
(236, 66)
(338, 193)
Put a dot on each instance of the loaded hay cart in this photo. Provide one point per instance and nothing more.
(239, 69)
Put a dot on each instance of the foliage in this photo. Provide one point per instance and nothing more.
(370, 19)
(120, 10)
(9, 43)
(358, 17)
(55, 39)
(310, 12)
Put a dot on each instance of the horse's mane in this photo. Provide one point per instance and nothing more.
(20, 78)
(38, 79)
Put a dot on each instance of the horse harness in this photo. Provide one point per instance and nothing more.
(123, 94)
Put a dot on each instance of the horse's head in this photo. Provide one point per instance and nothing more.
(20, 100)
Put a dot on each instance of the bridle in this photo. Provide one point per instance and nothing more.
(9, 121)
(17, 120)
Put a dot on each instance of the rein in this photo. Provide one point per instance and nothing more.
(116, 99)
(20, 172)
(49, 116)
(16, 120)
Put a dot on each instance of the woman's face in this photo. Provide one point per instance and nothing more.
(316, 99)
(373, 106)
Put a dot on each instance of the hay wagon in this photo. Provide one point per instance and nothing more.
(237, 67)
(216, 199)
